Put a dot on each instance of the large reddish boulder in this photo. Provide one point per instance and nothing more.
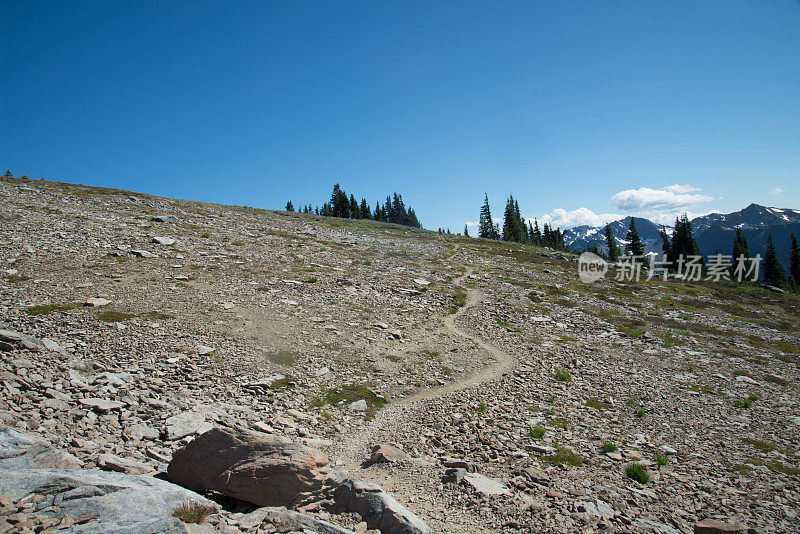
(385, 453)
(262, 469)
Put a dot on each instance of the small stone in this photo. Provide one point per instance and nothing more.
(143, 254)
(358, 406)
(485, 485)
(165, 241)
(112, 462)
(141, 431)
(594, 507)
(102, 405)
(96, 302)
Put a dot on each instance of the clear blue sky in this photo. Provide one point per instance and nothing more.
(564, 104)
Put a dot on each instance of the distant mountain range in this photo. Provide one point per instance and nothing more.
(713, 232)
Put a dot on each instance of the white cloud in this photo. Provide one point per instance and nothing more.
(661, 206)
(681, 189)
(777, 191)
(646, 199)
(476, 223)
(563, 219)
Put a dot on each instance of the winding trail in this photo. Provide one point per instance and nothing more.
(353, 449)
(500, 361)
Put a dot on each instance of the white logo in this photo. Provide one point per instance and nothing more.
(591, 267)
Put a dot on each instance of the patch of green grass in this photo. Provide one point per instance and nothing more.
(776, 380)
(763, 446)
(704, 389)
(193, 512)
(661, 458)
(638, 473)
(563, 456)
(15, 278)
(562, 375)
(562, 423)
(537, 432)
(286, 382)
(460, 300)
(44, 309)
(351, 393)
(556, 290)
(597, 404)
(633, 332)
(111, 316)
(312, 280)
(206, 235)
(745, 402)
(501, 322)
(631, 402)
(669, 340)
(394, 358)
(282, 357)
(776, 466)
(640, 413)
(609, 447)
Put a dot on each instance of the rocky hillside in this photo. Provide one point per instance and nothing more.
(480, 384)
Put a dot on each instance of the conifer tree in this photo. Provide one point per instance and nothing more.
(486, 228)
(774, 274)
(289, 206)
(466, 231)
(794, 265)
(513, 227)
(412, 220)
(739, 249)
(537, 234)
(387, 210)
(340, 205)
(740, 245)
(355, 211)
(611, 243)
(364, 208)
(683, 241)
(635, 247)
(522, 232)
(665, 243)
